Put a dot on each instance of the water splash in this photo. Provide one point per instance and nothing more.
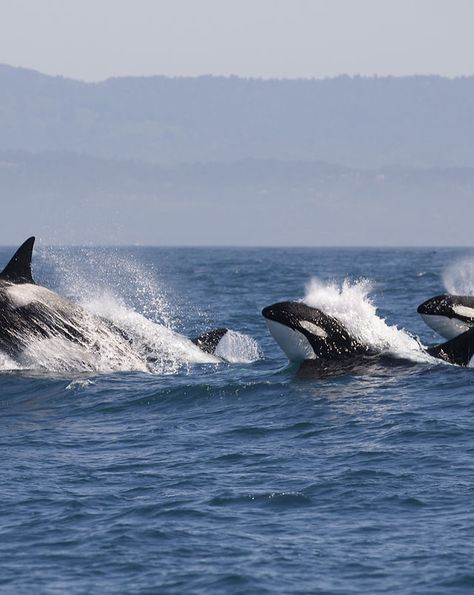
(90, 273)
(7, 364)
(235, 348)
(351, 304)
(110, 334)
(458, 278)
(165, 350)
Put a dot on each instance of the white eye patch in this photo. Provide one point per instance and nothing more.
(464, 311)
(313, 328)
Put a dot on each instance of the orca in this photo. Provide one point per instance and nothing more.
(31, 312)
(308, 336)
(305, 333)
(448, 315)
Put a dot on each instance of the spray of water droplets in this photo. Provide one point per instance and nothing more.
(351, 304)
(458, 278)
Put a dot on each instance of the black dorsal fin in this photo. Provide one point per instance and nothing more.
(18, 270)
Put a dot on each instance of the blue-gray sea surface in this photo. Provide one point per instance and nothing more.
(242, 477)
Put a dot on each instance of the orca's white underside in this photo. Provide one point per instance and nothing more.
(444, 326)
(294, 344)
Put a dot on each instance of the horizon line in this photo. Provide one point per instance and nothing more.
(257, 247)
(261, 78)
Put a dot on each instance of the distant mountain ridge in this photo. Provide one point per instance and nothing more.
(71, 198)
(219, 161)
(423, 121)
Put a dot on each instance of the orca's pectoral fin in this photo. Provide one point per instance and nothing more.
(209, 341)
(459, 350)
(18, 270)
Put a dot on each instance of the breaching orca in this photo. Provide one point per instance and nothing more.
(448, 315)
(30, 312)
(307, 334)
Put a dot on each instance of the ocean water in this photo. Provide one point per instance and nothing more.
(197, 475)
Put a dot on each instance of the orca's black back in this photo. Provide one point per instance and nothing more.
(459, 350)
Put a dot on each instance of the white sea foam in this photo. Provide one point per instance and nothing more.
(351, 304)
(7, 364)
(458, 278)
(80, 383)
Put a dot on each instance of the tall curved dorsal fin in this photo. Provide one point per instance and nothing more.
(18, 270)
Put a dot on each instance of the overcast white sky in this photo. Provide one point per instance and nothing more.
(96, 39)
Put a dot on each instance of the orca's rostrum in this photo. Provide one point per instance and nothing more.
(32, 316)
(307, 334)
(448, 315)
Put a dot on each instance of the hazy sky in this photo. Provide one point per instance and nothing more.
(96, 39)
